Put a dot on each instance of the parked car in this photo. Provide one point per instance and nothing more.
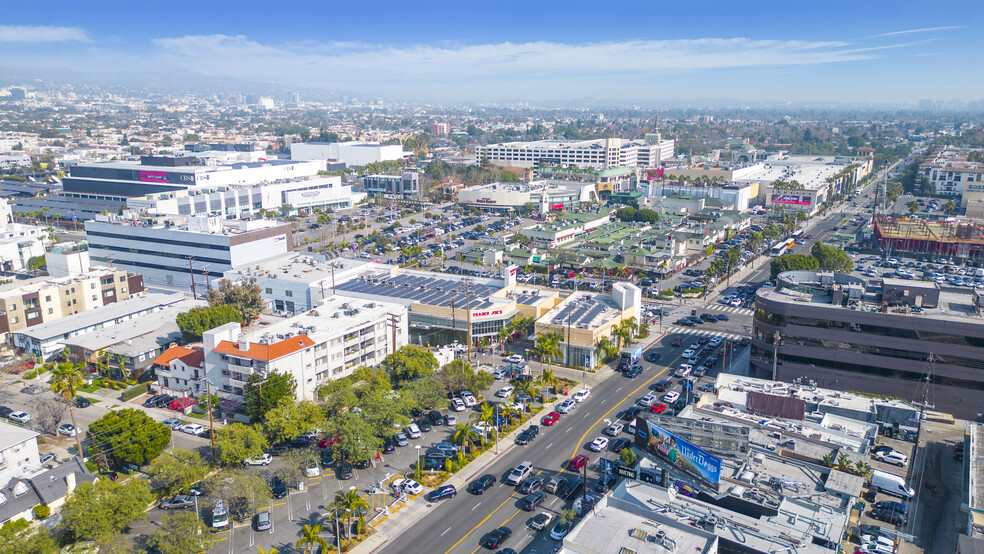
(519, 473)
(581, 395)
(19, 417)
(192, 429)
(550, 419)
(178, 502)
(528, 435)
(531, 484)
(577, 462)
(263, 521)
(442, 492)
(614, 429)
(532, 500)
(67, 429)
(261, 460)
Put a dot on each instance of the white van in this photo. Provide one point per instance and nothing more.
(891, 484)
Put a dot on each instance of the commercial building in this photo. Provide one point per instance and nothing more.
(123, 180)
(185, 253)
(565, 228)
(440, 129)
(352, 153)
(27, 303)
(584, 318)
(951, 173)
(958, 239)
(405, 185)
(597, 153)
(326, 343)
(48, 339)
(907, 339)
(544, 196)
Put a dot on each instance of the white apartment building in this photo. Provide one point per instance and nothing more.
(352, 153)
(185, 253)
(598, 153)
(952, 174)
(18, 242)
(326, 343)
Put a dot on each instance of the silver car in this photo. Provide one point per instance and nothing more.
(263, 521)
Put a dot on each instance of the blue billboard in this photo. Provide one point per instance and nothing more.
(678, 453)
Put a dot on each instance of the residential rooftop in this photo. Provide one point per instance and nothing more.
(92, 319)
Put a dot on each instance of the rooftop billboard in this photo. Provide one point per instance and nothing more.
(678, 453)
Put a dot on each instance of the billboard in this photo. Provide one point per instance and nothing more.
(654, 174)
(720, 439)
(791, 199)
(678, 453)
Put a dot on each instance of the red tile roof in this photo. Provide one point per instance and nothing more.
(266, 352)
(173, 353)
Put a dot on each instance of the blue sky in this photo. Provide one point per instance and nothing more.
(831, 51)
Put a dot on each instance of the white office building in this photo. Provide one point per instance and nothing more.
(598, 153)
(184, 253)
(18, 242)
(326, 343)
(352, 153)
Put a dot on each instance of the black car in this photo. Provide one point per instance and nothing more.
(278, 449)
(662, 385)
(685, 323)
(300, 442)
(531, 484)
(532, 500)
(482, 484)
(889, 516)
(389, 446)
(278, 488)
(442, 492)
(151, 401)
(653, 356)
(438, 453)
(437, 418)
(528, 434)
(496, 538)
(634, 371)
(5, 411)
(619, 444)
(424, 426)
(327, 459)
(430, 464)
(573, 489)
(605, 483)
(708, 317)
(343, 470)
(723, 317)
(631, 413)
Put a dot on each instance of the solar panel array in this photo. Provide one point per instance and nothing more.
(581, 312)
(426, 290)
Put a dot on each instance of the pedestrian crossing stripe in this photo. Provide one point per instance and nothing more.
(691, 331)
(730, 309)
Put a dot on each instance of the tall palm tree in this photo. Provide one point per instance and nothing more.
(65, 381)
(547, 347)
(643, 330)
(311, 540)
(605, 349)
(547, 378)
(465, 436)
(843, 461)
(913, 207)
(949, 207)
(524, 388)
(351, 502)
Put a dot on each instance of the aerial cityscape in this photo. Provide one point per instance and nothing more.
(628, 278)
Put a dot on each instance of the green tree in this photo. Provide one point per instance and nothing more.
(66, 379)
(830, 258)
(129, 436)
(290, 419)
(243, 490)
(180, 533)
(547, 347)
(456, 376)
(262, 395)
(311, 540)
(236, 442)
(359, 441)
(295, 462)
(464, 435)
(792, 262)
(244, 296)
(176, 470)
(913, 207)
(103, 508)
(408, 363)
(628, 457)
(20, 537)
(426, 393)
(606, 349)
(196, 321)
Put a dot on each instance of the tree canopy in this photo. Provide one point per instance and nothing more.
(830, 258)
(263, 395)
(409, 362)
(792, 262)
(243, 296)
(236, 442)
(459, 375)
(198, 320)
(103, 508)
(644, 215)
(175, 471)
(128, 436)
(180, 533)
(290, 419)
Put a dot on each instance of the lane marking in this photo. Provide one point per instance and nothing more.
(476, 506)
(446, 531)
(548, 446)
(480, 523)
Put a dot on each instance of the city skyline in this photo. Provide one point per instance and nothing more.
(455, 53)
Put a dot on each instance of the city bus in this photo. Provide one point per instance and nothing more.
(783, 247)
(797, 234)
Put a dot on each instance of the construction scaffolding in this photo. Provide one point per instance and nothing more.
(937, 237)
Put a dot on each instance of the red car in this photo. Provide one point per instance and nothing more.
(325, 443)
(657, 408)
(550, 419)
(578, 462)
(677, 341)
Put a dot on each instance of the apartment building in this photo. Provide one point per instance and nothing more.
(951, 172)
(326, 343)
(27, 303)
(184, 253)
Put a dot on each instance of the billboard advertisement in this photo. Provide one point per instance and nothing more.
(791, 199)
(655, 174)
(678, 453)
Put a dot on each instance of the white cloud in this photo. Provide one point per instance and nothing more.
(923, 30)
(41, 33)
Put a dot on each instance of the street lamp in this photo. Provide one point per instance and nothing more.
(417, 470)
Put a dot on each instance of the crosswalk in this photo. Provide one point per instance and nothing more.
(680, 330)
(729, 309)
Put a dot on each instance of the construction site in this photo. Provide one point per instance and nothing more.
(944, 238)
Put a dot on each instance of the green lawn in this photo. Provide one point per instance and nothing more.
(90, 388)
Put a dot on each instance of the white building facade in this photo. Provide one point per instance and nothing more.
(598, 153)
(352, 153)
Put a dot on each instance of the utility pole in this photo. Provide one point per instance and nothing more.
(191, 270)
(208, 284)
(393, 321)
(467, 285)
(211, 422)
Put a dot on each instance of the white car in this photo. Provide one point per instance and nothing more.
(684, 370)
(451, 419)
(174, 424)
(469, 399)
(566, 406)
(671, 397)
(892, 457)
(408, 486)
(515, 359)
(192, 429)
(19, 417)
(688, 353)
(261, 460)
(581, 395)
(413, 431)
(457, 404)
(67, 429)
(312, 471)
(499, 374)
(715, 342)
(598, 444)
(504, 392)
(736, 302)
(520, 472)
(648, 400)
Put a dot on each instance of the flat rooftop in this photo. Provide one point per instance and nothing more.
(96, 316)
(333, 316)
(307, 268)
(433, 289)
(38, 283)
(582, 310)
(161, 326)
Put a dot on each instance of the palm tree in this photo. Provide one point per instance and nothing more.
(547, 347)
(65, 381)
(913, 207)
(606, 349)
(311, 540)
(949, 207)
(843, 461)
(351, 501)
(829, 459)
(525, 389)
(643, 330)
(465, 436)
(862, 469)
(547, 378)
